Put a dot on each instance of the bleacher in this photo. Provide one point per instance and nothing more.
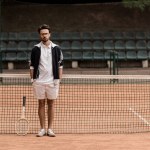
(80, 46)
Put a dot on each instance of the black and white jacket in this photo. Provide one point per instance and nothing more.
(57, 60)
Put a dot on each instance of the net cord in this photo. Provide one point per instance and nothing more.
(79, 76)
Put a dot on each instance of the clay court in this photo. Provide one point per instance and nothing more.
(138, 141)
(136, 138)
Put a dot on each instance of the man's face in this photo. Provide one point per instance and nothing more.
(45, 35)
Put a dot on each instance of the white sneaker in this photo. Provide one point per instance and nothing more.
(50, 133)
(41, 133)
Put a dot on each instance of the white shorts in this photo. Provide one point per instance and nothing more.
(45, 91)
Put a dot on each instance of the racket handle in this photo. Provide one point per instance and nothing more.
(24, 100)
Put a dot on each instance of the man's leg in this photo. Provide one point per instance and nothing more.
(41, 113)
(50, 112)
(50, 117)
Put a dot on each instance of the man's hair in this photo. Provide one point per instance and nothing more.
(43, 26)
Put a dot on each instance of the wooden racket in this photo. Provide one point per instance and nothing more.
(22, 124)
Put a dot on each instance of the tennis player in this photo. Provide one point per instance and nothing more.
(46, 69)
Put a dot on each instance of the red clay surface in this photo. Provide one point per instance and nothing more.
(139, 141)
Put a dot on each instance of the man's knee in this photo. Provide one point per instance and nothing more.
(50, 103)
(41, 103)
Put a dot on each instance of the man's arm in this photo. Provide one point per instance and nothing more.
(60, 72)
(31, 66)
(31, 73)
(61, 66)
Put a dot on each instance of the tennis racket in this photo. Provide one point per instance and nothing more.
(22, 124)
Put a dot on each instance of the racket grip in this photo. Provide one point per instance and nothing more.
(24, 100)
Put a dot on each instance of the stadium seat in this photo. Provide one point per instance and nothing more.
(121, 55)
(148, 55)
(66, 50)
(130, 45)
(87, 45)
(3, 57)
(98, 45)
(148, 35)
(109, 54)
(129, 35)
(75, 36)
(55, 36)
(142, 54)
(88, 55)
(141, 44)
(23, 46)
(76, 45)
(29, 55)
(148, 45)
(65, 45)
(12, 46)
(131, 55)
(10, 56)
(97, 36)
(76, 48)
(65, 35)
(108, 45)
(34, 36)
(3, 46)
(23, 36)
(67, 55)
(140, 35)
(108, 35)
(119, 45)
(4, 36)
(23, 56)
(86, 36)
(13, 36)
(119, 35)
(87, 50)
(99, 55)
(77, 55)
(98, 48)
(31, 45)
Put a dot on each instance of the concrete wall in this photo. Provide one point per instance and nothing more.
(93, 17)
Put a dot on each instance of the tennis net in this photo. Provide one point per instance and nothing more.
(86, 104)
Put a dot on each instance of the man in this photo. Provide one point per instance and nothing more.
(46, 70)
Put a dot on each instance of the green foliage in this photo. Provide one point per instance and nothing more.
(141, 4)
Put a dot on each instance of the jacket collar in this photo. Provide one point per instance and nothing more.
(52, 44)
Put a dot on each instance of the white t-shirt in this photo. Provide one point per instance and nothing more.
(45, 65)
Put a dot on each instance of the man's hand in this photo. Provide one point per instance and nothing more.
(32, 80)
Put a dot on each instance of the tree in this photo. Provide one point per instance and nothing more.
(141, 4)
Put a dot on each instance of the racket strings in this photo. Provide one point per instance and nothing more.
(22, 127)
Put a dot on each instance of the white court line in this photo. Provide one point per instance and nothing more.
(139, 116)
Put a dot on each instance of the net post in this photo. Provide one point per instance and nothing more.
(113, 63)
